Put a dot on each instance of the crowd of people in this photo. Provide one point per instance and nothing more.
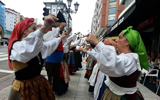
(113, 68)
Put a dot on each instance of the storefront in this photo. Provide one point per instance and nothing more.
(144, 16)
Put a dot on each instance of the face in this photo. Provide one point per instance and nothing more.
(121, 43)
(30, 29)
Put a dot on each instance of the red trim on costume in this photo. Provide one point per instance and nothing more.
(60, 46)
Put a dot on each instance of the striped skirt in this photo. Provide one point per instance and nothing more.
(71, 63)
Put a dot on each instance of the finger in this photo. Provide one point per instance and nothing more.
(55, 18)
(52, 20)
(52, 15)
(47, 18)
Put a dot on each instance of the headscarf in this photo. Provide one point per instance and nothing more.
(137, 44)
(17, 33)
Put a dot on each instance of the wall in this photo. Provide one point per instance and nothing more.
(11, 19)
(2, 21)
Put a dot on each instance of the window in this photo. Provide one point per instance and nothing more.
(112, 17)
(112, 10)
(48, 7)
(111, 22)
(112, 4)
(111, 0)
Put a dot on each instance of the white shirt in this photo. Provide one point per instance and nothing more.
(73, 37)
(66, 46)
(30, 46)
(112, 64)
(51, 34)
(74, 44)
(82, 42)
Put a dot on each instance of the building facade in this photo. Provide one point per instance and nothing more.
(2, 20)
(11, 19)
(96, 20)
(105, 14)
(55, 7)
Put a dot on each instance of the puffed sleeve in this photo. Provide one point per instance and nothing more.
(112, 64)
(30, 46)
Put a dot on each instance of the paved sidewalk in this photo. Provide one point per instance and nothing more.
(78, 89)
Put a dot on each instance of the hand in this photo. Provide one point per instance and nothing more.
(70, 41)
(62, 25)
(83, 50)
(78, 33)
(69, 30)
(110, 42)
(92, 39)
(48, 21)
(65, 34)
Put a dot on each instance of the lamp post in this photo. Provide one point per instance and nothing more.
(69, 5)
(68, 10)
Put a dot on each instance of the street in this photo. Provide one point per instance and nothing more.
(6, 75)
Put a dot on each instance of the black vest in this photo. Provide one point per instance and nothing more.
(32, 70)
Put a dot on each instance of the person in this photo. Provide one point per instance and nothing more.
(64, 73)
(123, 70)
(157, 61)
(26, 50)
(53, 61)
(78, 55)
(71, 63)
(89, 66)
(100, 85)
(156, 66)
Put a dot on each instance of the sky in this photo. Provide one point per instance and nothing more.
(81, 21)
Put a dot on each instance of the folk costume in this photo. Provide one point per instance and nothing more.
(124, 70)
(25, 58)
(79, 56)
(64, 73)
(71, 57)
(53, 61)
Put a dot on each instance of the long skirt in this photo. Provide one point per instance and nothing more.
(64, 79)
(37, 88)
(71, 63)
(89, 68)
(78, 58)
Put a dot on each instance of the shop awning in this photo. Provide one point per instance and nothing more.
(138, 12)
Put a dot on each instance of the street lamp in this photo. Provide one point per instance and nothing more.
(76, 5)
(69, 3)
(71, 11)
(68, 10)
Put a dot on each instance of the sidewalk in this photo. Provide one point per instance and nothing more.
(78, 89)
